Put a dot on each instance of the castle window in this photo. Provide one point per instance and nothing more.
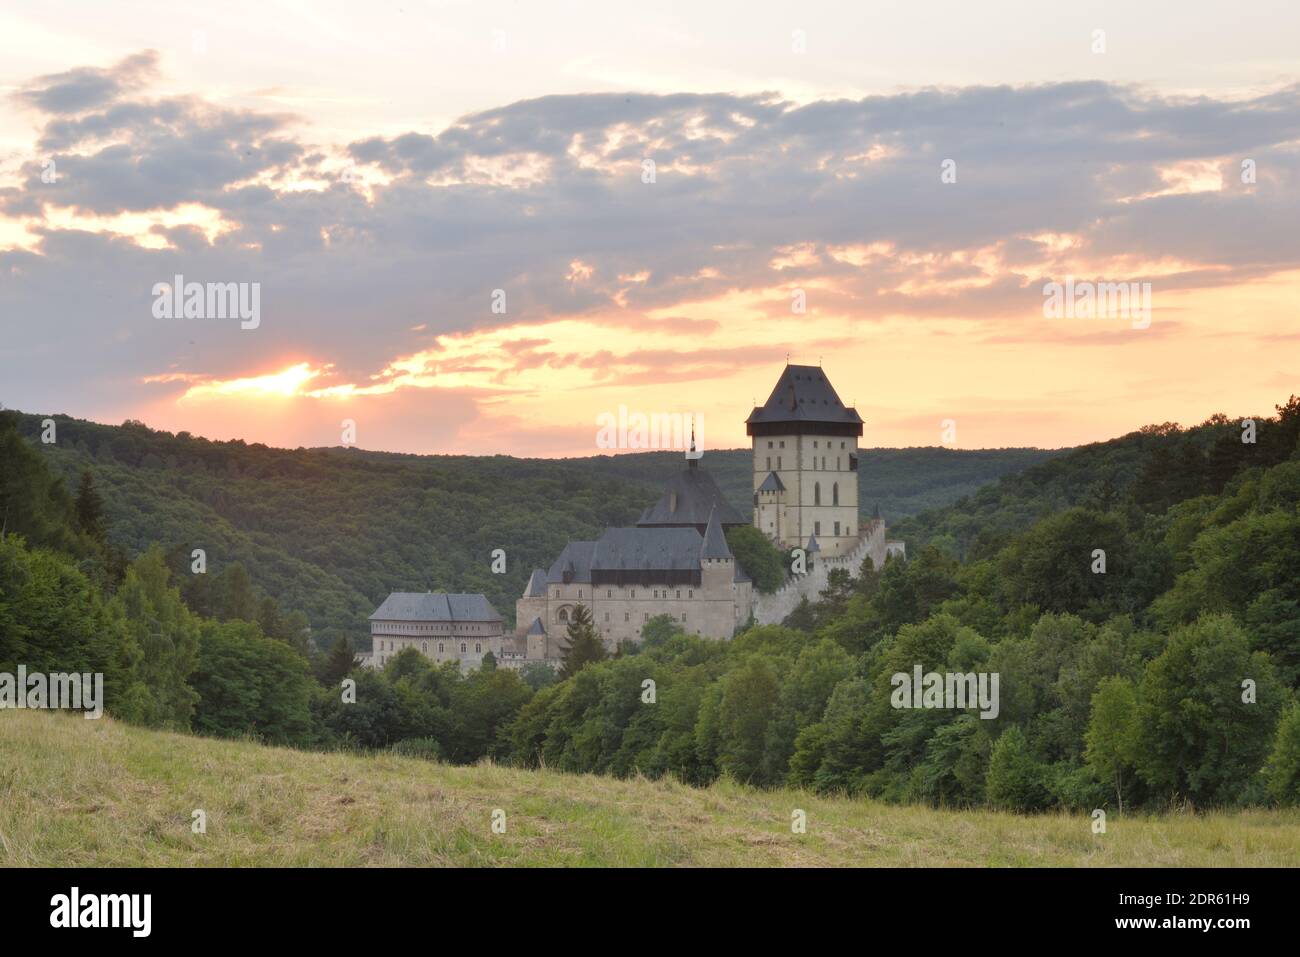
(769, 443)
(647, 616)
(440, 648)
(679, 593)
(835, 495)
(817, 528)
(424, 646)
(817, 493)
(778, 463)
(607, 616)
(837, 529)
(769, 461)
(814, 443)
(626, 617)
(462, 647)
(683, 618)
(478, 648)
(690, 593)
(564, 615)
(841, 445)
(609, 593)
(633, 592)
(837, 463)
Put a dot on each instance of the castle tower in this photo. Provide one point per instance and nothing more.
(806, 463)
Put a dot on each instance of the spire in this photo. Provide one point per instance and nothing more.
(715, 543)
(692, 459)
(812, 545)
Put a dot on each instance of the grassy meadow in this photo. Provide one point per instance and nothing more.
(100, 793)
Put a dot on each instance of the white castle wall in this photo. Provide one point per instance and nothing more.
(772, 609)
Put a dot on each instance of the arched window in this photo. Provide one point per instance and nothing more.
(835, 494)
(424, 646)
(440, 648)
(478, 648)
(817, 493)
(564, 614)
(462, 647)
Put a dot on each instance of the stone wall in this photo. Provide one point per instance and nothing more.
(772, 609)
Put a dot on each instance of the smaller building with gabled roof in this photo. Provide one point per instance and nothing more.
(443, 626)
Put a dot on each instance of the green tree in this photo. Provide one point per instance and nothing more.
(250, 684)
(1203, 736)
(167, 634)
(584, 646)
(1283, 770)
(339, 663)
(1016, 780)
(1111, 739)
(90, 507)
(760, 559)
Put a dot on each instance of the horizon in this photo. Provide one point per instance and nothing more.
(1091, 227)
(615, 453)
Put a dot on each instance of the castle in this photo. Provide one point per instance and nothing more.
(675, 561)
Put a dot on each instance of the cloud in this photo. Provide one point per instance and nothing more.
(688, 277)
(86, 88)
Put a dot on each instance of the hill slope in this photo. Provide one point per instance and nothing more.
(79, 793)
(331, 532)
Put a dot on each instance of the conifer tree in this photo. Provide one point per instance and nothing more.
(90, 507)
(585, 646)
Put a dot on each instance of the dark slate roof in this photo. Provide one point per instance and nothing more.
(772, 483)
(576, 557)
(812, 544)
(434, 606)
(647, 548)
(803, 394)
(536, 628)
(689, 497)
(715, 543)
(536, 584)
(642, 549)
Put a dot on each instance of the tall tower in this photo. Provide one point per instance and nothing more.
(806, 463)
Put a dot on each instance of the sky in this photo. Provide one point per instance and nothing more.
(482, 227)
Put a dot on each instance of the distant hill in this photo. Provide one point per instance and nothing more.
(332, 531)
(901, 482)
(1154, 467)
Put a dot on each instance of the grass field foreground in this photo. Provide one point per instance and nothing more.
(83, 793)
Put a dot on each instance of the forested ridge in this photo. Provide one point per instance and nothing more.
(1166, 676)
(330, 532)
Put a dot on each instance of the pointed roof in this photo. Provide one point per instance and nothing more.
(772, 483)
(715, 543)
(812, 545)
(536, 584)
(804, 395)
(536, 627)
(688, 498)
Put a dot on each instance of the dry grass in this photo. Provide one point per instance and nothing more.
(97, 793)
